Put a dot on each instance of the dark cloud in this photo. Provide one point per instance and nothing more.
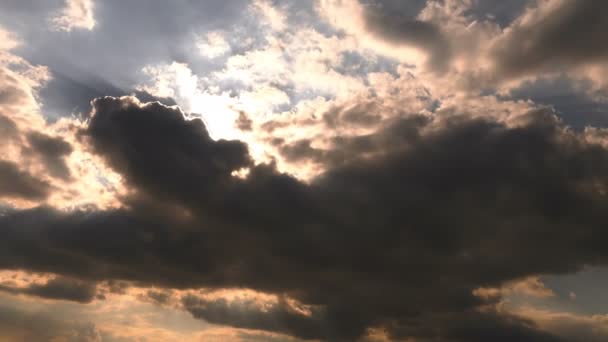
(394, 27)
(247, 314)
(144, 96)
(566, 37)
(158, 297)
(474, 327)
(249, 336)
(397, 237)
(161, 152)
(397, 233)
(52, 151)
(117, 287)
(58, 288)
(17, 183)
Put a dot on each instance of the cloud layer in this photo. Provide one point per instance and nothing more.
(352, 170)
(393, 225)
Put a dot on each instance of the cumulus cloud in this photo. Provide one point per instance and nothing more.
(363, 241)
(389, 175)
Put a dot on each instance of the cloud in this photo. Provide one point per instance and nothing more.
(394, 31)
(148, 142)
(274, 17)
(412, 192)
(53, 151)
(363, 242)
(57, 288)
(39, 155)
(9, 41)
(399, 30)
(570, 326)
(131, 30)
(19, 325)
(77, 14)
(556, 34)
(214, 45)
(17, 183)
(278, 317)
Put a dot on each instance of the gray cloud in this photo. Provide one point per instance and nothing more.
(246, 314)
(397, 28)
(17, 183)
(405, 223)
(566, 37)
(157, 141)
(57, 288)
(52, 151)
(22, 325)
(8, 128)
(397, 239)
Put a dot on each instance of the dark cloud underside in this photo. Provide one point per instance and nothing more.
(411, 213)
(566, 37)
(17, 183)
(399, 240)
(58, 288)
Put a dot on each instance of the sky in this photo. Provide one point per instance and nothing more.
(303, 170)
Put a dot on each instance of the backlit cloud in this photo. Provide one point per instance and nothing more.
(281, 170)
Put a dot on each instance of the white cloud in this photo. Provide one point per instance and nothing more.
(213, 45)
(77, 14)
(8, 40)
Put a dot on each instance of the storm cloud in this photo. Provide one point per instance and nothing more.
(335, 170)
(399, 240)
